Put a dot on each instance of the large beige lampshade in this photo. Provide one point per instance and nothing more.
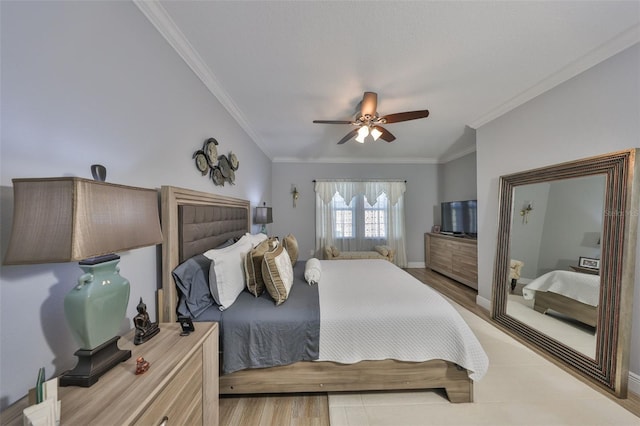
(70, 219)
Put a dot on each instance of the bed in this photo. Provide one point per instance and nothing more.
(573, 294)
(211, 220)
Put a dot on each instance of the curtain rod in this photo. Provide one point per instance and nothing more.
(359, 180)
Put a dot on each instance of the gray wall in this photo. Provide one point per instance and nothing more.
(573, 222)
(94, 82)
(457, 179)
(527, 235)
(420, 199)
(595, 112)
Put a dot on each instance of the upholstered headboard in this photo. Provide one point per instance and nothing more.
(194, 222)
(201, 228)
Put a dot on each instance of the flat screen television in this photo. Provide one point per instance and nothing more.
(459, 218)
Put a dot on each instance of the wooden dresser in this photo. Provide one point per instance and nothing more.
(180, 386)
(454, 257)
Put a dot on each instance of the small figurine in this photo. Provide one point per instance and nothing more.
(145, 329)
(141, 365)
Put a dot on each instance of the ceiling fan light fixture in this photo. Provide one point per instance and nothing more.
(375, 134)
(363, 132)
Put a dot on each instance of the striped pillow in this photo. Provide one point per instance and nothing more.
(291, 246)
(253, 266)
(277, 273)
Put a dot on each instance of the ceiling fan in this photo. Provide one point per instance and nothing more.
(369, 123)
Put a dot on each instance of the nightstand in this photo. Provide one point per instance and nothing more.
(181, 384)
(585, 270)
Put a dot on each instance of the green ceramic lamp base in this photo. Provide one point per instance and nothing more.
(93, 363)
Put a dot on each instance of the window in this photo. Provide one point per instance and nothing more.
(343, 214)
(375, 218)
(345, 219)
(360, 219)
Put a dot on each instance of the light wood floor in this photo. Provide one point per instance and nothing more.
(313, 409)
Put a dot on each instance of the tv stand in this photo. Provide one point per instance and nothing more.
(453, 256)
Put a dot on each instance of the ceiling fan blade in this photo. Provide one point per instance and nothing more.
(386, 135)
(405, 116)
(348, 136)
(333, 121)
(369, 104)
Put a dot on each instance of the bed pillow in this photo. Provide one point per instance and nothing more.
(253, 266)
(291, 246)
(256, 238)
(312, 271)
(277, 273)
(192, 281)
(226, 273)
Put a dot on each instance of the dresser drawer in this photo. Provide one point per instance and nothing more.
(181, 400)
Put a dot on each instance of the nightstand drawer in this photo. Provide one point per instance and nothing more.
(181, 400)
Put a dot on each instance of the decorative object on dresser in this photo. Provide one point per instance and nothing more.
(99, 172)
(68, 219)
(145, 329)
(455, 257)
(181, 385)
(220, 168)
(264, 216)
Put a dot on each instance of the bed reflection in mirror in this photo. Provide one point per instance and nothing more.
(556, 226)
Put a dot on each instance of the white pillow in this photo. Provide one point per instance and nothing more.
(255, 238)
(226, 274)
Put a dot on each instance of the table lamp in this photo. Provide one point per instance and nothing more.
(70, 219)
(263, 217)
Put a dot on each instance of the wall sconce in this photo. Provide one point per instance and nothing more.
(295, 194)
(524, 212)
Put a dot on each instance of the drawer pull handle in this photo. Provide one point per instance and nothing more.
(164, 421)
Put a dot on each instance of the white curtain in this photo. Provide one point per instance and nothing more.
(350, 192)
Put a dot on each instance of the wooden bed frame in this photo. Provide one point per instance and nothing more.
(304, 376)
(545, 300)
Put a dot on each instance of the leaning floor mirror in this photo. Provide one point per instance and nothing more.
(565, 260)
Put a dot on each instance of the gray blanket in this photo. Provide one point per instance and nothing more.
(255, 333)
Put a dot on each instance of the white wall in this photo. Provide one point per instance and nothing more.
(420, 199)
(596, 112)
(94, 82)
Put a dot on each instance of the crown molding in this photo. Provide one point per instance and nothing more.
(160, 19)
(456, 155)
(606, 50)
(363, 160)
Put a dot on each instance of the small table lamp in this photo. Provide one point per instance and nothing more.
(263, 217)
(70, 219)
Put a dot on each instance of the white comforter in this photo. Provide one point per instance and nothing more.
(394, 316)
(584, 288)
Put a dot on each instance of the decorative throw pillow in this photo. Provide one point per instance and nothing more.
(226, 274)
(335, 252)
(277, 273)
(291, 246)
(253, 266)
(383, 250)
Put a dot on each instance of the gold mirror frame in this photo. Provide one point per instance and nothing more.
(610, 367)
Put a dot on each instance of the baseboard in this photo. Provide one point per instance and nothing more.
(416, 265)
(634, 383)
(483, 303)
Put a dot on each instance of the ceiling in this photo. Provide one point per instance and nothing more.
(278, 65)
